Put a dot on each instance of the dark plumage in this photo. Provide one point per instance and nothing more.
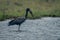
(19, 21)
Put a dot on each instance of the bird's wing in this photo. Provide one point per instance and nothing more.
(19, 20)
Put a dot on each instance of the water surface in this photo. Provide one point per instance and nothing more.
(46, 28)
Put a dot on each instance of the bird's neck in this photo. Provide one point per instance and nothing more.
(26, 14)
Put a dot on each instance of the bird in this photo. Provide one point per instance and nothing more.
(19, 21)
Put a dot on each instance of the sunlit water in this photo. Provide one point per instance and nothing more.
(46, 28)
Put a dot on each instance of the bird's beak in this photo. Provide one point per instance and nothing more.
(31, 14)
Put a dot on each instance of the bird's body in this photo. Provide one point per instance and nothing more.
(19, 21)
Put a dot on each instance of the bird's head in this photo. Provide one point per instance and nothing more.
(28, 10)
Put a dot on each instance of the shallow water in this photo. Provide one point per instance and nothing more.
(46, 28)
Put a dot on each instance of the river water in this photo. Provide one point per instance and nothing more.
(46, 28)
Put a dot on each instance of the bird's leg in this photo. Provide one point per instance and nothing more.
(19, 28)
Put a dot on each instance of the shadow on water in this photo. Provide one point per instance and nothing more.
(20, 31)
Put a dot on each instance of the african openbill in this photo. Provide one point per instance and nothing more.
(19, 21)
